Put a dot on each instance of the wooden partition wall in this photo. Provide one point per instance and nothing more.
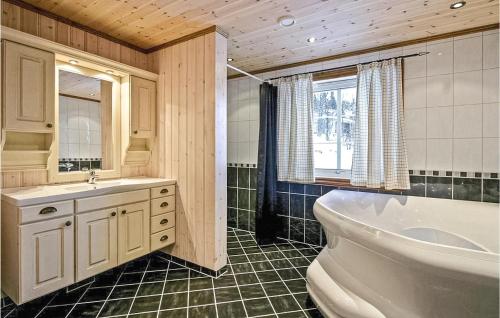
(192, 147)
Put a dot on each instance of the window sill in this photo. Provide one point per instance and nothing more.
(346, 184)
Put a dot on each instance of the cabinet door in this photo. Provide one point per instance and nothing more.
(133, 231)
(96, 247)
(29, 88)
(143, 108)
(47, 257)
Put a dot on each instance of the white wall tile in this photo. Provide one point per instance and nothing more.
(243, 89)
(63, 150)
(491, 120)
(232, 152)
(490, 155)
(468, 88)
(95, 137)
(468, 121)
(439, 154)
(95, 151)
(254, 150)
(467, 154)
(84, 150)
(417, 149)
(415, 66)
(468, 54)
(490, 51)
(440, 90)
(73, 136)
(440, 58)
(74, 150)
(243, 152)
(415, 92)
(440, 122)
(232, 131)
(415, 122)
(243, 131)
(243, 110)
(254, 130)
(84, 137)
(490, 85)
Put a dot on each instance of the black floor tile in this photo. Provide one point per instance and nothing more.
(55, 312)
(175, 313)
(284, 303)
(268, 276)
(174, 286)
(200, 283)
(297, 285)
(172, 301)
(226, 294)
(252, 291)
(246, 279)
(124, 291)
(225, 281)
(96, 294)
(202, 311)
(231, 310)
(150, 289)
(201, 297)
(89, 310)
(275, 289)
(116, 307)
(258, 307)
(157, 276)
(148, 303)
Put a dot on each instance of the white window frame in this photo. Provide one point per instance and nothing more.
(328, 85)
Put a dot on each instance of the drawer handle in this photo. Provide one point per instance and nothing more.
(164, 204)
(124, 211)
(113, 213)
(49, 125)
(164, 191)
(47, 210)
(164, 221)
(135, 131)
(68, 223)
(164, 237)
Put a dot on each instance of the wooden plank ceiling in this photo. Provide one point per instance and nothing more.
(256, 40)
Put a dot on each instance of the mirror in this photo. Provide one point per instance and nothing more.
(85, 123)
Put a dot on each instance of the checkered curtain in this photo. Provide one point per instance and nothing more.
(379, 158)
(295, 129)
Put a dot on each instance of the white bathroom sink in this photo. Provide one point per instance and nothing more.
(97, 185)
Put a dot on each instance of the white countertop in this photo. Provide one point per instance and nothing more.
(70, 191)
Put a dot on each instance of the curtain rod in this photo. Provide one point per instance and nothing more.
(353, 65)
(326, 70)
(245, 73)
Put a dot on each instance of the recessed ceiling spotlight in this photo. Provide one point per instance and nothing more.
(109, 71)
(74, 62)
(312, 39)
(457, 5)
(286, 20)
(92, 94)
(230, 59)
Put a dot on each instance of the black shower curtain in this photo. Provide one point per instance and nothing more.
(267, 223)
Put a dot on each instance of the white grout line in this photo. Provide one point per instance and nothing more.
(138, 287)
(112, 289)
(237, 286)
(188, 278)
(162, 290)
(79, 299)
(46, 305)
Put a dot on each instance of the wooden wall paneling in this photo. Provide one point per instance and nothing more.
(48, 28)
(77, 38)
(142, 60)
(29, 22)
(11, 179)
(34, 177)
(209, 145)
(63, 33)
(103, 47)
(11, 15)
(199, 149)
(125, 55)
(153, 61)
(114, 51)
(91, 43)
(106, 124)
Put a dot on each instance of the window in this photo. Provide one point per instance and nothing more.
(333, 120)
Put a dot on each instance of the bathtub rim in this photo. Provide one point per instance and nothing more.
(397, 246)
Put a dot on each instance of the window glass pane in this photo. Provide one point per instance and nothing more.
(333, 120)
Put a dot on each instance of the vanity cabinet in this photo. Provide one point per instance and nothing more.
(133, 231)
(143, 108)
(96, 246)
(29, 88)
(48, 245)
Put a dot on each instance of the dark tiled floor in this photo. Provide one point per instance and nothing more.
(262, 281)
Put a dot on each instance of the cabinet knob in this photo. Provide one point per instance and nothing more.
(135, 131)
(164, 237)
(164, 221)
(164, 204)
(164, 191)
(124, 211)
(49, 125)
(68, 223)
(113, 213)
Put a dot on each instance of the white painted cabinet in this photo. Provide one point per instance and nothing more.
(47, 257)
(96, 246)
(29, 88)
(142, 108)
(133, 231)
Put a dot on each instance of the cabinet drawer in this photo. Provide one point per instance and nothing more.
(45, 211)
(162, 222)
(110, 200)
(162, 191)
(162, 239)
(163, 205)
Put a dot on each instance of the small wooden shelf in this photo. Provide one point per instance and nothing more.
(25, 150)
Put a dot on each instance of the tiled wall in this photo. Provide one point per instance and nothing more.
(80, 131)
(452, 124)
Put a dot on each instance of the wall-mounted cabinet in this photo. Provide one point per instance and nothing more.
(139, 122)
(29, 88)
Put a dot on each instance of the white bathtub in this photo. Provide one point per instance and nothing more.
(404, 257)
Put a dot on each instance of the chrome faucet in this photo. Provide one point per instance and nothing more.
(92, 176)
